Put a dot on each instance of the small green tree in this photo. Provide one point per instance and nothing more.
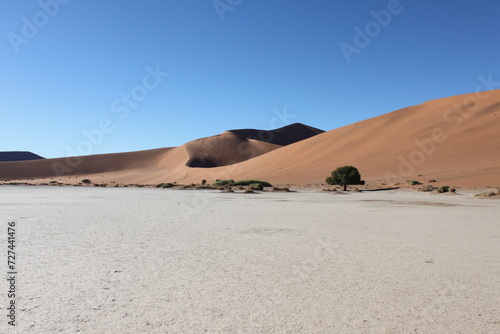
(344, 176)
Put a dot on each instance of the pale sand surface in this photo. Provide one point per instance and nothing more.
(102, 260)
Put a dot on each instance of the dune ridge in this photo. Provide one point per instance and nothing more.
(283, 136)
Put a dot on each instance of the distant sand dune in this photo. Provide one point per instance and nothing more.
(454, 140)
(283, 136)
(19, 156)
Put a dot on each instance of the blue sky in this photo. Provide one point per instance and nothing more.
(240, 64)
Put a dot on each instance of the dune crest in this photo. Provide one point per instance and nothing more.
(282, 136)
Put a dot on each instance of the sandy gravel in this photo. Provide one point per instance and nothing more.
(96, 260)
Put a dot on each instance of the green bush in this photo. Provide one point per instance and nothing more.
(250, 182)
(203, 182)
(219, 183)
(344, 176)
(427, 187)
(86, 181)
(414, 182)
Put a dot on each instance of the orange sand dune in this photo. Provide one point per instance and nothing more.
(101, 163)
(454, 140)
(239, 145)
(224, 149)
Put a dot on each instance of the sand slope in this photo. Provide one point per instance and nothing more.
(448, 139)
(454, 140)
(100, 163)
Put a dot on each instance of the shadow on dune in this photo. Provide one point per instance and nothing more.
(283, 136)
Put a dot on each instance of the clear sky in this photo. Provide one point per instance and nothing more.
(72, 66)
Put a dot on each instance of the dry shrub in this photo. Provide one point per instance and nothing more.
(490, 193)
(427, 187)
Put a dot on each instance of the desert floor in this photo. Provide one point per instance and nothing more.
(105, 260)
